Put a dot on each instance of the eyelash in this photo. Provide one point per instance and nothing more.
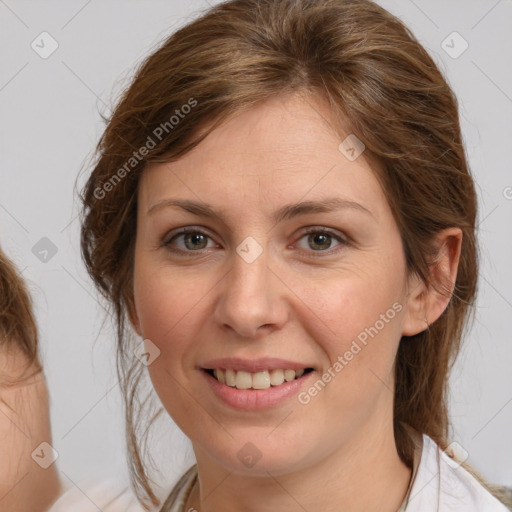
(315, 254)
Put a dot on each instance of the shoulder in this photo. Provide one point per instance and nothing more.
(108, 495)
(442, 482)
(460, 490)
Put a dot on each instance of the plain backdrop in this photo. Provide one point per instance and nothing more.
(50, 124)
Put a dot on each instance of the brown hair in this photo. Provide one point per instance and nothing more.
(18, 330)
(379, 81)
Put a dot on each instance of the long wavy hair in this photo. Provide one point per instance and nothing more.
(379, 80)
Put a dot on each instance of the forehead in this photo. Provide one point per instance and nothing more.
(283, 149)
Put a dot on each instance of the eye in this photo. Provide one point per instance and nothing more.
(321, 240)
(193, 240)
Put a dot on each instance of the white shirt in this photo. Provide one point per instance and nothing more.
(438, 484)
(441, 485)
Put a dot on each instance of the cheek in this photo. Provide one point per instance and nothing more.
(357, 323)
(353, 305)
(169, 304)
(169, 308)
(361, 350)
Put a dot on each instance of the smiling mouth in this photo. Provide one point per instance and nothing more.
(259, 380)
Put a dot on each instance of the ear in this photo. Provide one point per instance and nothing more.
(427, 302)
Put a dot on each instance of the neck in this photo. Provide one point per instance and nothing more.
(363, 474)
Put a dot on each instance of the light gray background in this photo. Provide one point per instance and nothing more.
(50, 124)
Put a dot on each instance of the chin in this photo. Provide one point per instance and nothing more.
(259, 455)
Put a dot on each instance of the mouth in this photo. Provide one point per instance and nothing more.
(265, 379)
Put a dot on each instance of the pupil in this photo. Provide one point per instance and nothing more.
(195, 238)
(324, 243)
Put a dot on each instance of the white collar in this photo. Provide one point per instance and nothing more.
(443, 485)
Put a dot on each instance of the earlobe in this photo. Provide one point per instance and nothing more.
(425, 304)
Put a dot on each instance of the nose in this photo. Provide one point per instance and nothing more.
(251, 298)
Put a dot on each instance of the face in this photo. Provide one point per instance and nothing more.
(265, 286)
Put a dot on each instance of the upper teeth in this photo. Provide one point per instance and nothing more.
(259, 380)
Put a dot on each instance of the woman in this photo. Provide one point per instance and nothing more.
(29, 481)
(281, 209)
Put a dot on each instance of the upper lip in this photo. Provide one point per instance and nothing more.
(254, 365)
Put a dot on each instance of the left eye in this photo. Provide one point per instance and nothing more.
(321, 240)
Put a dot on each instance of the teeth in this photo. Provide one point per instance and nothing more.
(289, 375)
(230, 377)
(276, 377)
(243, 380)
(219, 375)
(259, 380)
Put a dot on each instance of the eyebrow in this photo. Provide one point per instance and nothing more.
(284, 213)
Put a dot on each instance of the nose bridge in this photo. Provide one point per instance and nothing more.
(250, 296)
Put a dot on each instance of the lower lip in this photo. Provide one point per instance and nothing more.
(255, 399)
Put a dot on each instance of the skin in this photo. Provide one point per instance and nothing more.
(24, 424)
(338, 451)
